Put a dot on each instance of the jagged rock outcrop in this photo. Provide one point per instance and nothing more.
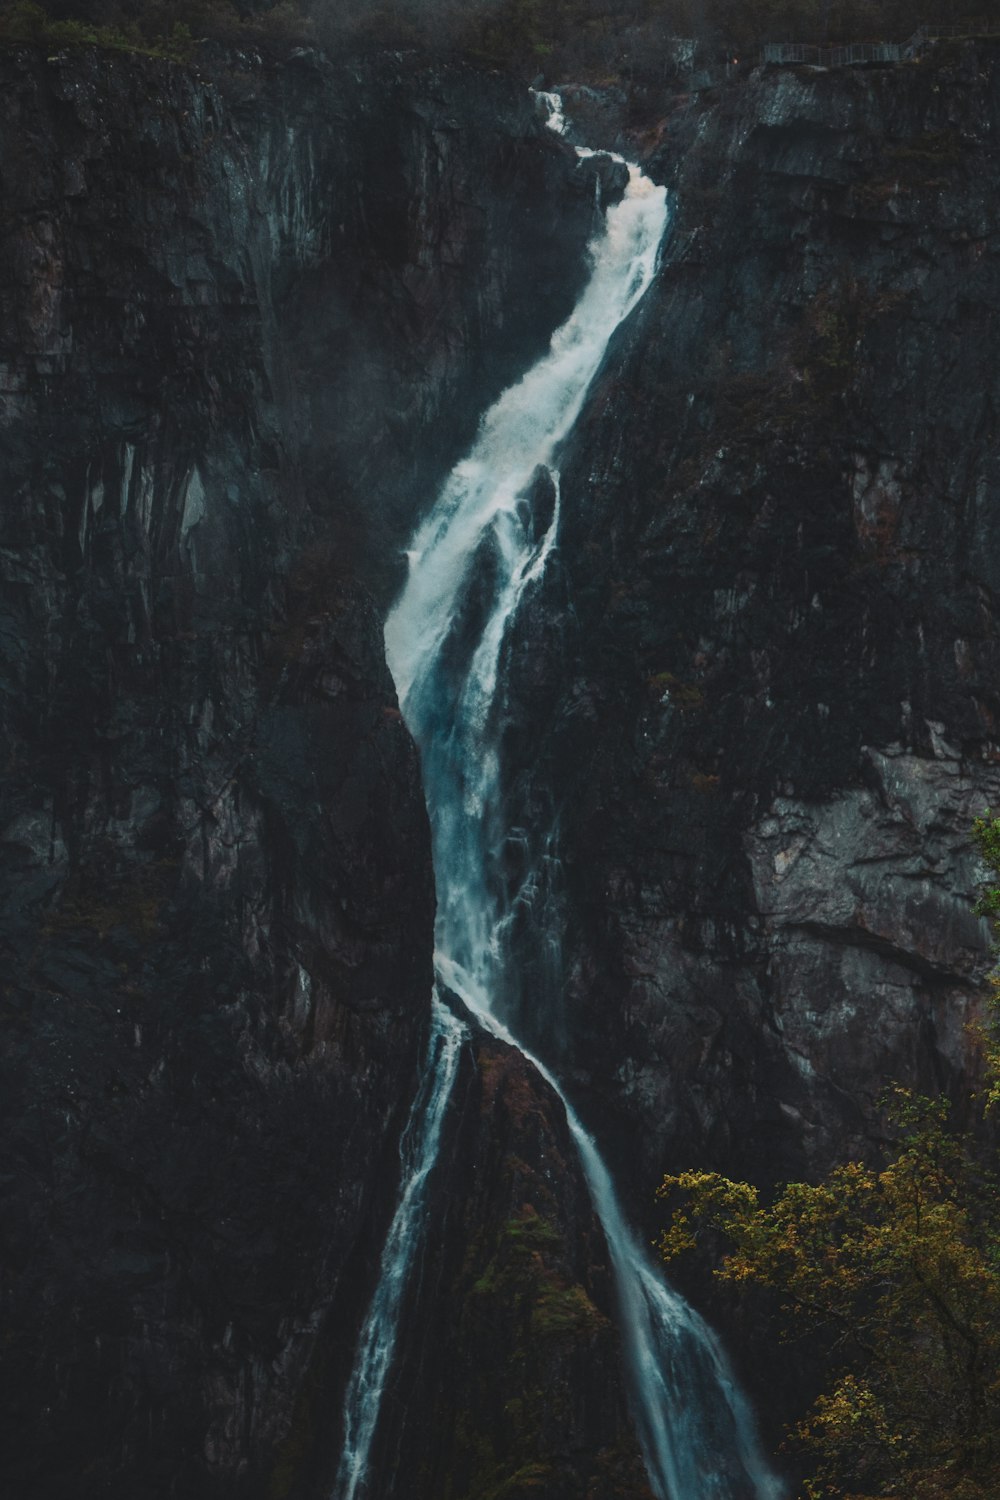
(247, 312)
(757, 696)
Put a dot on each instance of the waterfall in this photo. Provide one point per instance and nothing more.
(483, 546)
(695, 1427)
(418, 1152)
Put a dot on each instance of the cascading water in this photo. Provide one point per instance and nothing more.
(484, 544)
(418, 1152)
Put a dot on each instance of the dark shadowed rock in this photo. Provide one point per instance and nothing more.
(249, 316)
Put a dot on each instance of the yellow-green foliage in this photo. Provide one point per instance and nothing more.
(898, 1268)
(986, 834)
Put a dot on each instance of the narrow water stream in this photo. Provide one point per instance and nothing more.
(484, 544)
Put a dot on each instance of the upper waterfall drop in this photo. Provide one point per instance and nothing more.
(445, 681)
(485, 543)
(523, 430)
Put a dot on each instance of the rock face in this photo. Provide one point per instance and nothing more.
(757, 699)
(249, 320)
(246, 315)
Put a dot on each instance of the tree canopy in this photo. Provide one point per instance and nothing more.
(895, 1269)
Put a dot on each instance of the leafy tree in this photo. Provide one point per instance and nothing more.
(896, 1271)
(986, 835)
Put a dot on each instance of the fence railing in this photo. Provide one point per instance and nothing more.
(834, 57)
(969, 28)
(857, 53)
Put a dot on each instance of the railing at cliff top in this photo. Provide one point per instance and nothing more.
(855, 54)
(833, 57)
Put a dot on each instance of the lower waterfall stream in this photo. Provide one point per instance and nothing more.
(484, 544)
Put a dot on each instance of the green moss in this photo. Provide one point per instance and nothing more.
(531, 1232)
(564, 1311)
(515, 1262)
(486, 1284)
(526, 1314)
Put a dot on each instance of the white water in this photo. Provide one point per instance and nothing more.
(480, 550)
(696, 1429)
(377, 1344)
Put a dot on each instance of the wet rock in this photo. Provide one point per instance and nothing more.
(537, 508)
(876, 960)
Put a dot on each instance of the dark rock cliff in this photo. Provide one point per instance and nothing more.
(248, 317)
(757, 697)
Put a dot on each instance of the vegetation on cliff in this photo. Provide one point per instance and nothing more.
(603, 40)
(894, 1271)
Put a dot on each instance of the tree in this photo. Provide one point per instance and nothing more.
(986, 836)
(896, 1270)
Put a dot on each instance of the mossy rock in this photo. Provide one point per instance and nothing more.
(565, 1312)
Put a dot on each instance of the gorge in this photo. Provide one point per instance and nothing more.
(694, 1433)
(727, 687)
